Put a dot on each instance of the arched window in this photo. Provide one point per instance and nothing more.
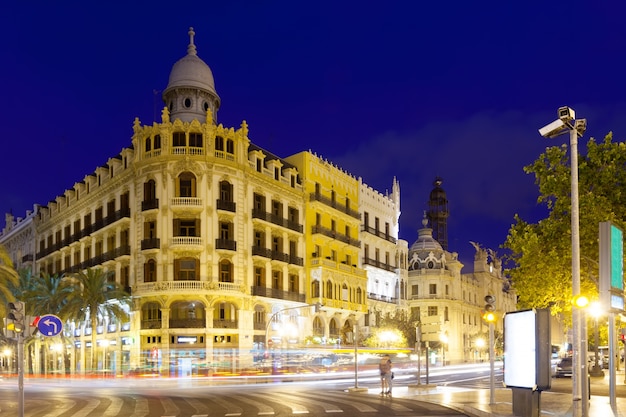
(226, 191)
(318, 327)
(333, 329)
(149, 271)
(151, 316)
(186, 185)
(187, 314)
(315, 289)
(359, 296)
(157, 141)
(329, 289)
(148, 144)
(226, 271)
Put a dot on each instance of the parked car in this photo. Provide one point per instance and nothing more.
(564, 367)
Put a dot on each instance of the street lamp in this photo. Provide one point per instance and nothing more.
(567, 123)
(480, 344)
(595, 312)
(443, 337)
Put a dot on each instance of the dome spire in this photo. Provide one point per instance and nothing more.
(191, 49)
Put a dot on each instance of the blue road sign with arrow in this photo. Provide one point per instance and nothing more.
(50, 325)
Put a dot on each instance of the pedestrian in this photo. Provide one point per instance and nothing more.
(385, 375)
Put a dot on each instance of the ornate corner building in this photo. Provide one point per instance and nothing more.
(223, 245)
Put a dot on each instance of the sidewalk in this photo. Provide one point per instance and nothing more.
(475, 402)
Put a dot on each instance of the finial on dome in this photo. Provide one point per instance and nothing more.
(191, 49)
(425, 220)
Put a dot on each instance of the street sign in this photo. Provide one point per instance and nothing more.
(50, 325)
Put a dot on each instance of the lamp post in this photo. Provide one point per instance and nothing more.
(567, 123)
(480, 345)
(594, 310)
(443, 337)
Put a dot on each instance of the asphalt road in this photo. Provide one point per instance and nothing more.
(193, 398)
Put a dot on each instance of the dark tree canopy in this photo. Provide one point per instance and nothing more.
(541, 252)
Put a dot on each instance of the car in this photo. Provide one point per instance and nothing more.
(564, 367)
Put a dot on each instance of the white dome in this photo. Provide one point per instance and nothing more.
(191, 71)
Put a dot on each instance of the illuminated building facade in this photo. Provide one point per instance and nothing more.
(223, 245)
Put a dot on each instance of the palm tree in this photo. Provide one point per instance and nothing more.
(8, 280)
(94, 296)
(48, 294)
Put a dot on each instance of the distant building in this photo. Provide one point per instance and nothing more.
(449, 304)
(224, 246)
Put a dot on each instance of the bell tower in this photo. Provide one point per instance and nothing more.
(438, 213)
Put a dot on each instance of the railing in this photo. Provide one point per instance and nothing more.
(334, 204)
(187, 240)
(186, 201)
(225, 324)
(226, 244)
(277, 220)
(187, 323)
(150, 204)
(335, 235)
(226, 205)
(278, 294)
(152, 243)
(378, 233)
(379, 264)
(187, 286)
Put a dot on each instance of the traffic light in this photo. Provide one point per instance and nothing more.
(490, 307)
(16, 317)
(490, 302)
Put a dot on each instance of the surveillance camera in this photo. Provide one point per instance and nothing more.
(566, 114)
(553, 129)
(580, 125)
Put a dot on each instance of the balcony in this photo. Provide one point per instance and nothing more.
(225, 324)
(150, 324)
(333, 234)
(378, 233)
(226, 205)
(187, 242)
(261, 251)
(277, 220)
(334, 204)
(278, 294)
(152, 243)
(280, 256)
(379, 264)
(186, 205)
(150, 204)
(226, 244)
(187, 323)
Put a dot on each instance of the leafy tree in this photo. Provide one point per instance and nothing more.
(48, 294)
(8, 279)
(96, 295)
(541, 252)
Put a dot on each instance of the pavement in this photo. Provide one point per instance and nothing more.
(477, 402)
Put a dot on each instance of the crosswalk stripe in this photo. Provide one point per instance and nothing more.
(141, 407)
(114, 408)
(360, 406)
(231, 410)
(61, 408)
(199, 406)
(295, 407)
(169, 408)
(91, 405)
(264, 409)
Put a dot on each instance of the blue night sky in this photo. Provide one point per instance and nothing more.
(410, 89)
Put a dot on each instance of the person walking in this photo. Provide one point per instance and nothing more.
(385, 375)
